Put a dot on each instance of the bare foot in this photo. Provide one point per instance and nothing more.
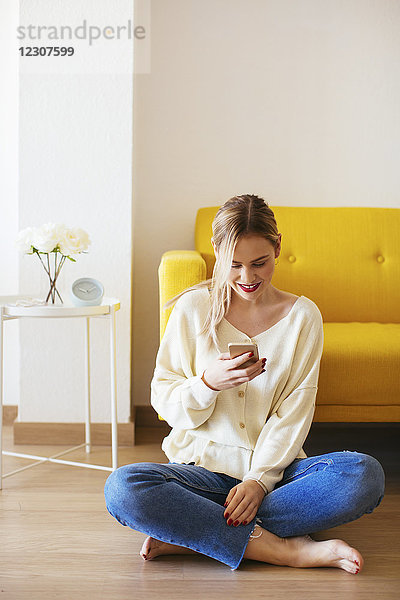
(328, 553)
(303, 551)
(152, 548)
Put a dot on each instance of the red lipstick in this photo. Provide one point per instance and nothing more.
(249, 289)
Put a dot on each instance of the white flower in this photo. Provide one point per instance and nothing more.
(74, 241)
(53, 237)
(24, 240)
(48, 236)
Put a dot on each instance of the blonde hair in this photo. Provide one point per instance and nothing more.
(238, 217)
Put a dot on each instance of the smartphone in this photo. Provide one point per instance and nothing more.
(237, 349)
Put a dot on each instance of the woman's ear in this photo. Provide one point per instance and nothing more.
(278, 246)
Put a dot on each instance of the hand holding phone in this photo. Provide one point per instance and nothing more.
(221, 374)
(238, 349)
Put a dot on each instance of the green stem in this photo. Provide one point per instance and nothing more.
(51, 281)
(53, 296)
(53, 290)
(44, 266)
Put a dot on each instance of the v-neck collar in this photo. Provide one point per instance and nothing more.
(266, 330)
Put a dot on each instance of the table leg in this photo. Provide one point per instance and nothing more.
(87, 380)
(113, 358)
(1, 396)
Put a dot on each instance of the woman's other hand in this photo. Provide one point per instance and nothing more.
(243, 502)
(225, 372)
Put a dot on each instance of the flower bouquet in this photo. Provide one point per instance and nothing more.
(57, 239)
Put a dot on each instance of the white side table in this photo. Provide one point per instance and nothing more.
(9, 311)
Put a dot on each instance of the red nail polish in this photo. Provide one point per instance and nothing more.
(251, 354)
(226, 504)
(357, 563)
(244, 523)
(358, 570)
(236, 523)
(226, 515)
(230, 521)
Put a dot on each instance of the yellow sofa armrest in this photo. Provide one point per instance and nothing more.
(178, 270)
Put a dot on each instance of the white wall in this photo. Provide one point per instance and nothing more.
(76, 168)
(9, 189)
(296, 101)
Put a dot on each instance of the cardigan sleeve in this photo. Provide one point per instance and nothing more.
(285, 431)
(178, 393)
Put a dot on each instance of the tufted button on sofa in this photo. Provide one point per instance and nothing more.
(347, 260)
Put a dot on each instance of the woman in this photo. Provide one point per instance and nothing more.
(238, 483)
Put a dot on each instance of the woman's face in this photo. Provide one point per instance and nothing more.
(253, 266)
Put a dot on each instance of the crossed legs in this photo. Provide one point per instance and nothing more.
(180, 507)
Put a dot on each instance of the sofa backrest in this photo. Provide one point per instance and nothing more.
(345, 259)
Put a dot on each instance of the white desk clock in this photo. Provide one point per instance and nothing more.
(87, 292)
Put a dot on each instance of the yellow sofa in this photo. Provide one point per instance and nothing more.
(347, 260)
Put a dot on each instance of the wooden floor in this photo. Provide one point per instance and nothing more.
(59, 542)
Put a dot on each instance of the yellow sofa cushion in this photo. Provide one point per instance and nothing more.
(360, 364)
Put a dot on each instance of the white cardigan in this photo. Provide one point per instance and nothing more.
(255, 430)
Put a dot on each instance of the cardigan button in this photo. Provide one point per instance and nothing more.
(242, 425)
(241, 394)
(292, 258)
(380, 259)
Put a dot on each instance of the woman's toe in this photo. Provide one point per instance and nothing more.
(146, 549)
(354, 562)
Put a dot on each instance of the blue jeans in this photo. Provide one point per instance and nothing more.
(183, 504)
